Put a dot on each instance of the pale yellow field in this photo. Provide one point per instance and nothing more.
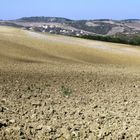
(65, 88)
(20, 45)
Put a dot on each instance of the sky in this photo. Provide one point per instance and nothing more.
(72, 9)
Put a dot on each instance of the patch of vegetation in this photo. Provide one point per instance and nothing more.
(132, 40)
(44, 19)
(66, 91)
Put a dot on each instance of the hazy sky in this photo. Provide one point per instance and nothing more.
(74, 9)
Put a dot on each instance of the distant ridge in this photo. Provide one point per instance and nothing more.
(44, 19)
(61, 19)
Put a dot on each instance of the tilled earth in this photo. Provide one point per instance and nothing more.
(69, 103)
(64, 88)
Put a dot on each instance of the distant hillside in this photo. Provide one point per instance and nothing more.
(128, 28)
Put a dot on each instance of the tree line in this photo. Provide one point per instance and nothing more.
(132, 40)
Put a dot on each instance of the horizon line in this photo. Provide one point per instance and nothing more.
(72, 18)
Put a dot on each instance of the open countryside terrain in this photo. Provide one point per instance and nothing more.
(63, 26)
(65, 88)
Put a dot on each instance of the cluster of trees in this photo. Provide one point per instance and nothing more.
(133, 40)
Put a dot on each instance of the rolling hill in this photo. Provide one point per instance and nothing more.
(17, 44)
(60, 87)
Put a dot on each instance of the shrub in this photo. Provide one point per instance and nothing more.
(66, 91)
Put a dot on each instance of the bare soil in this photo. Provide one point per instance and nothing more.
(72, 97)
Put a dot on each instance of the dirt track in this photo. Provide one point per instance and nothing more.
(58, 94)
